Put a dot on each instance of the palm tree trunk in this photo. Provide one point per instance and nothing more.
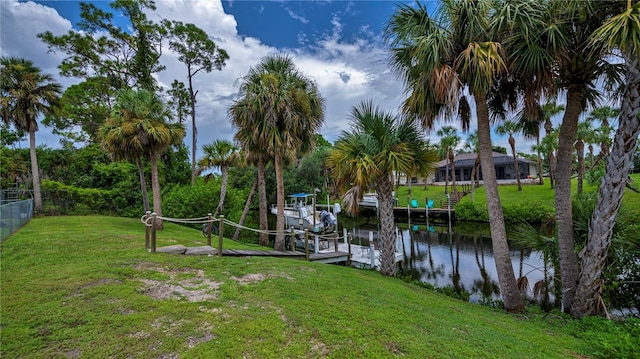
(262, 194)
(143, 185)
(223, 189)
(474, 174)
(548, 127)
(610, 194)
(37, 195)
(540, 176)
(384, 187)
(512, 143)
(155, 189)
(194, 130)
(245, 211)
(446, 179)
(279, 243)
(580, 153)
(569, 270)
(453, 175)
(504, 267)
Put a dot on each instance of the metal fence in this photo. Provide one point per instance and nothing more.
(13, 216)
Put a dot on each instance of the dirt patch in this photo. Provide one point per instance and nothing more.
(250, 278)
(196, 288)
(192, 342)
(207, 290)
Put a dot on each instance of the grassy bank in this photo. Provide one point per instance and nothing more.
(84, 287)
(532, 198)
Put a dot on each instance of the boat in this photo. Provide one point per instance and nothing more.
(369, 200)
(299, 213)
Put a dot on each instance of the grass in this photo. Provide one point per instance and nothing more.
(543, 195)
(85, 287)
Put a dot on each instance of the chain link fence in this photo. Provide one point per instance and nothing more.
(13, 214)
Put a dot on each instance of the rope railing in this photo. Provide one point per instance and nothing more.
(149, 219)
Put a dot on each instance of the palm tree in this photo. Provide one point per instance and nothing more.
(278, 113)
(219, 154)
(511, 128)
(245, 210)
(449, 140)
(472, 144)
(531, 129)
(138, 123)
(550, 49)
(25, 94)
(438, 58)
(603, 114)
(548, 110)
(620, 32)
(548, 146)
(378, 145)
(584, 134)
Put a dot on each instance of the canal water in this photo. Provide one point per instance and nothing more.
(459, 256)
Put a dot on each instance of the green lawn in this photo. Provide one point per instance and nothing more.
(84, 287)
(544, 195)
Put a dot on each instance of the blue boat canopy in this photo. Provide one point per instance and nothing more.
(300, 195)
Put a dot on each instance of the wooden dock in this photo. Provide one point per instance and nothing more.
(321, 257)
(421, 212)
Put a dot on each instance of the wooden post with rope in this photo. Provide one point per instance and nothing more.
(221, 231)
(153, 232)
(209, 225)
(146, 230)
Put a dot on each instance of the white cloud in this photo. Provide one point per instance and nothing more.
(19, 25)
(295, 16)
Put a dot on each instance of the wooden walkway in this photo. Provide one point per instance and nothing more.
(324, 257)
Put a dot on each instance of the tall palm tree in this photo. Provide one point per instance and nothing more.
(546, 112)
(219, 154)
(584, 134)
(378, 145)
(25, 94)
(511, 128)
(138, 123)
(603, 114)
(531, 129)
(278, 113)
(550, 49)
(472, 144)
(449, 140)
(438, 58)
(622, 33)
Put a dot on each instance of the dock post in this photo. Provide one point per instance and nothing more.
(209, 225)
(306, 243)
(292, 239)
(372, 251)
(221, 226)
(146, 230)
(153, 232)
(346, 238)
(315, 243)
(449, 207)
(408, 207)
(335, 240)
(345, 234)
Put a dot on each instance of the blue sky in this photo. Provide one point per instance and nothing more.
(338, 44)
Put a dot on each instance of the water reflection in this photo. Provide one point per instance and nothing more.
(461, 257)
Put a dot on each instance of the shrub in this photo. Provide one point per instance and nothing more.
(517, 213)
(611, 339)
